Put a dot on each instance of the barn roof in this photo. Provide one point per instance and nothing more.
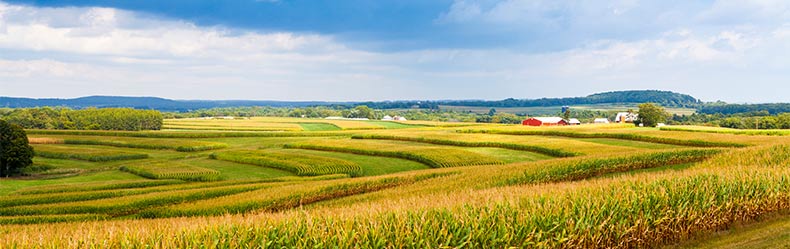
(551, 120)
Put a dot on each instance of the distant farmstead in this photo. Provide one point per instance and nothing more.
(574, 121)
(626, 117)
(396, 118)
(545, 121)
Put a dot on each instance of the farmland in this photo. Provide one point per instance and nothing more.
(552, 110)
(298, 182)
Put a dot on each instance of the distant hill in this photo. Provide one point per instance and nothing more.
(665, 98)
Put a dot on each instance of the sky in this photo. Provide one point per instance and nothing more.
(358, 50)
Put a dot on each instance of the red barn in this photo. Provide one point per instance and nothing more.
(544, 121)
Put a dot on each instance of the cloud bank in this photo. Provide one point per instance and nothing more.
(730, 50)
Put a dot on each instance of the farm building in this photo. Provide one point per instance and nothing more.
(626, 117)
(387, 118)
(601, 121)
(544, 121)
(399, 118)
(574, 121)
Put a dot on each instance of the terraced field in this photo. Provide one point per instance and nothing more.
(286, 182)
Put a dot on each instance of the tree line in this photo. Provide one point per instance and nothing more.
(721, 108)
(60, 118)
(664, 98)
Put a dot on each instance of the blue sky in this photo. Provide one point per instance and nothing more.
(732, 50)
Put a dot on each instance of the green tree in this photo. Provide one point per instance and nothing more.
(651, 114)
(363, 111)
(15, 152)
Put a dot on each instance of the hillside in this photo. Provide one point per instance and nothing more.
(665, 98)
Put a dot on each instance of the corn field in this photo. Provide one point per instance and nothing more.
(592, 187)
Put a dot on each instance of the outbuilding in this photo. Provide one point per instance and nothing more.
(574, 121)
(601, 121)
(544, 121)
(626, 117)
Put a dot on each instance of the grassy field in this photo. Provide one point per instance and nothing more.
(290, 182)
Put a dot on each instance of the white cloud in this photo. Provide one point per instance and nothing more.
(68, 52)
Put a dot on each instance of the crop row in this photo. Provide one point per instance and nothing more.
(173, 170)
(127, 205)
(182, 146)
(277, 199)
(82, 187)
(639, 211)
(37, 219)
(87, 154)
(209, 128)
(47, 198)
(431, 156)
(162, 134)
(623, 136)
(623, 213)
(632, 213)
(522, 147)
(582, 169)
(297, 163)
(627, 215)
(231, 124)
(728, 131)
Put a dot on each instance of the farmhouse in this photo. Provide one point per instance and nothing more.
(574, 121)
(601, 121)
(626, 117)
(544, 121)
